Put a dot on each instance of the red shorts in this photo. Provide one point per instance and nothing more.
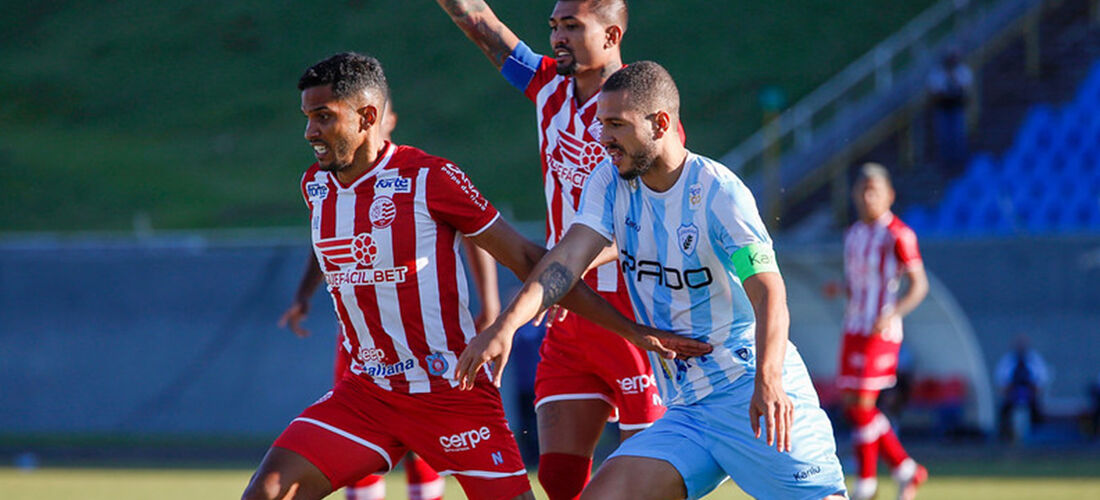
(580, 360)
(868, 362)
(463, 433)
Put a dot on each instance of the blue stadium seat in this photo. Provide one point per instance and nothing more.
(988, 217)
(1019, 162)
(1048, 180)
(952, 217)
(982, 168)
(1077, 215)
(1038, 119)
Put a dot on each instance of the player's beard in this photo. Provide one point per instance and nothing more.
(569, 68)
(338, 148)
(640, 162)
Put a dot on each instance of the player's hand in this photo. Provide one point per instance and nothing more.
(882, 323)
(293, 318)
(666, 344)
(492, 345)
(769, 401)
(554, 314)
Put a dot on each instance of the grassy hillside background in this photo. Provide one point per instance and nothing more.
(187, 111)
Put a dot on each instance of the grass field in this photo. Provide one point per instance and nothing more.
(185, 113)
(171, 484)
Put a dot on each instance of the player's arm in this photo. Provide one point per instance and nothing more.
(299, 308)
(913, 272)
(558, 313)
(551, 277)
(484, 271)
(768, 295)
(915, 293)
(481, 25)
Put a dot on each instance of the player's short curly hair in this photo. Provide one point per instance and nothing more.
(650, 86)
(350, 74)
(610, 11)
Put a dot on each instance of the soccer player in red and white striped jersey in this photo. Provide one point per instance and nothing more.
(879, 251)
(385, 222)
(586, 375)
(423, 482)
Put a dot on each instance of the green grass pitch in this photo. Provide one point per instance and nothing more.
(169, 484)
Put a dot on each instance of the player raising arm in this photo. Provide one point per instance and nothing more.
(698, 261)
(586, 375)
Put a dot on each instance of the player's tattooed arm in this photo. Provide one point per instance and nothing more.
(556, 282)
(481, 25)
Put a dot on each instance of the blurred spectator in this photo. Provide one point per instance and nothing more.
(1021, 374)
(950, 85)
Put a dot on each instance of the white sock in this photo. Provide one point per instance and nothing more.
(864, 488)
(429, 490)
(904, 472)
(376, 491)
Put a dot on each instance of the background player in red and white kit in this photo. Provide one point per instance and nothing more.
(423, 481)
(879, 250)
(585, 373)
(385, 222)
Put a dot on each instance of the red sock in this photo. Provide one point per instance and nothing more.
(891, 447)
(424, 482)
(866, 430)
(563, 476)
(371, 487)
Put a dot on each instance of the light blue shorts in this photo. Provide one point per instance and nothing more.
(712, 438)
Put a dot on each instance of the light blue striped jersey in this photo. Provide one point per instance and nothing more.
(675, 249)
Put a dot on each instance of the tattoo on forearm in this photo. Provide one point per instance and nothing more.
(556, 281)
(492, 44)
(486, 35)
(463, 8)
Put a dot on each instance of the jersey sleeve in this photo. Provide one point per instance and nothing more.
(305, 195)
(308, 182)
(738, 230)
(527, 71)
(454, 200)
(597, 206)
(905, 248)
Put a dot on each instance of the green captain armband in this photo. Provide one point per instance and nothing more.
(753, 259)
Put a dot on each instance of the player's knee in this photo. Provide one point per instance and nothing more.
(272, 484)
(264, 486)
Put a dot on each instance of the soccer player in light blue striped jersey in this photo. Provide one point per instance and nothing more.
(698, 262)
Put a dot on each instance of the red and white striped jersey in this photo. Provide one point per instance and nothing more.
(388, 244)
(875, 257)
(569, 146)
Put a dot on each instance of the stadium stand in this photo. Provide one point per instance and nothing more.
(1047, 182)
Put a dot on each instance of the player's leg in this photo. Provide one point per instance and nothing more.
(334, 442)
(572, 404)
(810, 470)
(465, 434)
(373, 486)
(860, 411)
(569, 430)
(284, 474)
(669, 460)
(424, 482)
(860, 383)
(631, 477)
